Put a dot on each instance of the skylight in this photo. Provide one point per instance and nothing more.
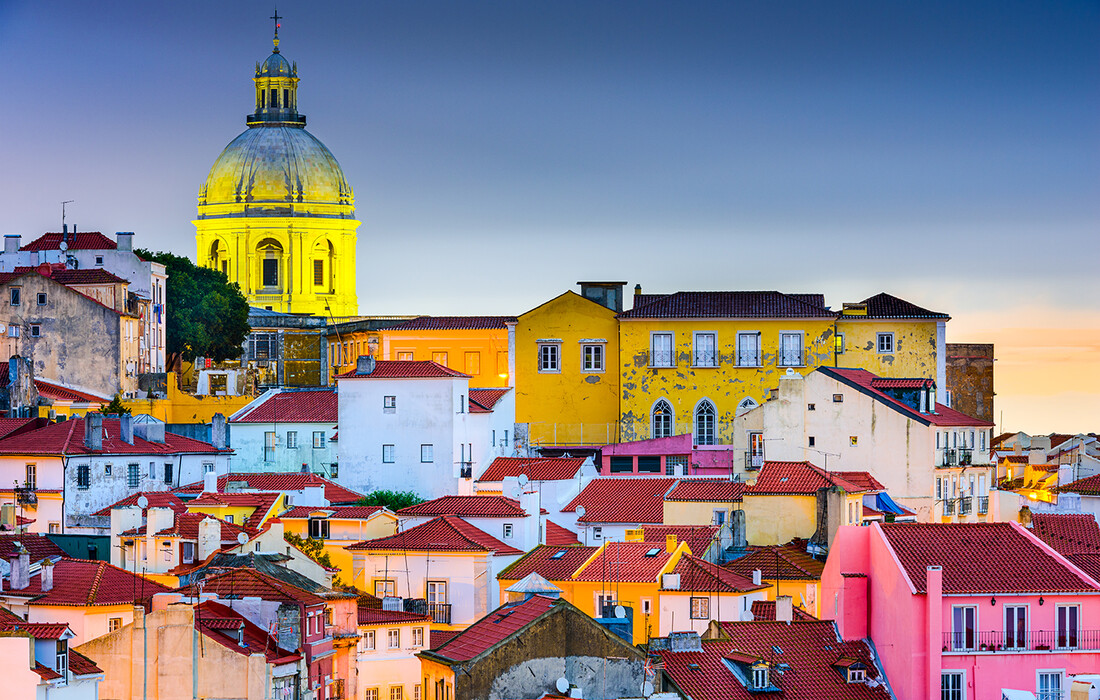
(558, 554)
(653, 552)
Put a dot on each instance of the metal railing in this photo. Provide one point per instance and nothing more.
(965, 505)
(440, 613)
(950, 458)
(949, 506)
(26, 495)
(1009, 642)
(983, 505)
(660, 358)
(965, 456)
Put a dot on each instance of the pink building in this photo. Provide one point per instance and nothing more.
(677, 455)
(964, 611)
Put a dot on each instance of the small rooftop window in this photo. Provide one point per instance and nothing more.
(558, 554)
(653, 552)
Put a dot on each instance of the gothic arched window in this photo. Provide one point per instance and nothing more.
(662, 419)
(704, 423)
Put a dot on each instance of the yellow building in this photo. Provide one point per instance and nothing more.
(276, 214)
(566, 357)
(336, 527)
(251, 510)
(891, 337)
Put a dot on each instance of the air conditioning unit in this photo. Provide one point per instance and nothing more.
(670, 582)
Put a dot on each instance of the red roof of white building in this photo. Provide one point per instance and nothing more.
(623, 500)
(864, 382)
(804, 479)
(484, 400)
(310, 406)
(467, 507)
(277, 481)
(156, 499)
(558, 536)
(67, 438)
(80, 583)
(87, 240)
(443, 534)
(535, 468)
(405, 369)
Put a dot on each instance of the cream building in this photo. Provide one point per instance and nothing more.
(275, 214)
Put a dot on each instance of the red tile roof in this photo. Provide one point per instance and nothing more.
(261, 502)
(699, 575)
(157, 499)
(39, 546)
(186, 527)
(1089, 486)
(787, 562)
(626, 562)
(67, 438)
(707, 490)
(79, 582)
(90, 275)
(558, 536)
(698, 538)
(49, 390)
(810, 649)
(863, 381)
(885, 305)
(536, 468)
(487, 398)
(467, 507)
(89, 240)
(980, 558)
(405, 369)
(444, 534)
(1068, 534)
(337, 512)
(378, 616)
(453, 323)
(804, 479)
(494, 628)
(312, 406)
(764, 611)
(553, 563)
(278, 481)
(47, 673)
(9, 426)
(221, 623)
(441, 637)
(80, 665)
(730, 305)
(625, 500)
(250, 583)
(38, 630)
(891, 383)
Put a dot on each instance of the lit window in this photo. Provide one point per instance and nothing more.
(318, 528)
(549, 357)
(473, 363)
(886, 342)
(700, 608)
(114, 623)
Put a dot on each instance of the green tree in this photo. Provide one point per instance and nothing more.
(394, 500)
(116, 407)
(207, 316)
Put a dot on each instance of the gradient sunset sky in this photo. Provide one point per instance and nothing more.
(945, 152)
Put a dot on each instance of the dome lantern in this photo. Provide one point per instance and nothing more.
(276, 90)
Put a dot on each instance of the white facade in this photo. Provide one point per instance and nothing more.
(493, 433)
(290, 447)
(723, 607)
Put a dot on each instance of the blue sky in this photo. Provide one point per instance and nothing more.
(500, 151)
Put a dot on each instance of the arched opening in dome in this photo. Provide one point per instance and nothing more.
(219, 257)
(269, 254)
(324, 267)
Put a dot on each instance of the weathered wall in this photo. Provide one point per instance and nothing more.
(248, 447)
(915, 347)
(779, 519)
(970, 378)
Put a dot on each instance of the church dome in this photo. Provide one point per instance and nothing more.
(272, 169)
(275, 65)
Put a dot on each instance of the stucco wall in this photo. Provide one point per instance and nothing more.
(489, 344)
(248, 447)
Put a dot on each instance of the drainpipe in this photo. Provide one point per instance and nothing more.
(933, 600)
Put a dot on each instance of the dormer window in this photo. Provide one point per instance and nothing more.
(856, 675)
(759, 676)
(63, 658)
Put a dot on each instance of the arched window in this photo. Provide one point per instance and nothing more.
(704, 423)
(747, 404)
(269, 252)
(662, 419)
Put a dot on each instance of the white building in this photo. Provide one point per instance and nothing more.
(288, 430)
(515, 521)
(407, 426)
(932, 459)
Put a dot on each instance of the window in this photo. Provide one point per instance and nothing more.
(107, 469)
(719, 516)
(133, 475)
(592, 358)
(318, 528)
(507, 531)
(16, 295)
(649, 464)
(760, 677)
(83, 477)
(1049, 686)
(440, 358)
(700, 608)
(114, 623)
(964, 627)
(790, 349)
(397, 692)
(269, 446)
(318, 439)
(853, 440)
(368, 645)
(597, 533)
(371, 693)
(229, 518)
(704, 424)
(426, 456)
(981, 436)
(207, 467)
(462, 404)
(676, 465)
(857, 675)
(334, 470)
(660, 350)
(756, 449)
(13, 331)
(436, 592)
(384, 588)
(1067, 619)
(387, 454)
(318, 272)
(952, 686)
(168, 472)
(292, 439)
(36, 330)
(662, 419)
(62, 650)
(187, 552)
(416, 690)
(99, 260)
(549, 357)
(152, 470)
(270, 272)
(885, 343)
(41, 298)
(939, 488)
(748, 349)
(405, 356)
(1015, 626)
(389, 404)
(810, 440)
(705, 347)
(418, 636)
(473, 363)
(621, 465)
(839, 344)
(393, 639)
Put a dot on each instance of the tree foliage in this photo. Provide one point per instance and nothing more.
(394, 500)
(207, 316)
(116, 407)
(315, 550)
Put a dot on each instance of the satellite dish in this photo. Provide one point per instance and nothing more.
(647, 689)
(562, 684)
(241, 538)
(143, 502)
(522, 480)
(63, 246)
(620, 612)
(580, 511)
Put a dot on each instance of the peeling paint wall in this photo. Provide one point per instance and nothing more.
(915, 349)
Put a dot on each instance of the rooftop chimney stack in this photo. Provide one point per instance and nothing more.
(20, 569)
(217, 431)
(364, 364)
(210, 482)
(125, 240)
(757, 574)
(126, 428)
(784, 609)
(210, 537)
(12, 242)
(47, 575)
(93, 432)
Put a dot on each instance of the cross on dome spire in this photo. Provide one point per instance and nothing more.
(276, 17)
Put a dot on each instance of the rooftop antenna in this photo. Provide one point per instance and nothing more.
(64, 227)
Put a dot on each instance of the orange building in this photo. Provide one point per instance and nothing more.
(474, 345)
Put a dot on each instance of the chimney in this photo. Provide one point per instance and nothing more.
(125, 240)
(637, 290)
(210, 482)
(210, 537)
(217, 431)
(757, 575)
(20, 569)
(784, 609)
(126, 428)
(93, 432)
(46, 572)
(364, 364)
(670, 543)
(12, 242)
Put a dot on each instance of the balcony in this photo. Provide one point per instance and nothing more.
(983, 505)
(26, 495)
(466, 473)
(966, 504)
(965, 455)
(753, 461)
(950, 458)
(949, 506)
(995, 642)
(440, 613)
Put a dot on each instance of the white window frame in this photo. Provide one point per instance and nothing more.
(418, 636)
(397, 692)
(292, 439)
(696, 433)
(961, 673)
(1077, 631)
(549, 357)
(597, 352)
(713, 359)
(321, 531)
(318, 439)
(671, 349)
(1019, 637)
(388, 455)
(889, 338)
(368, 640)
(958, 637)
(427, 453)
(801, 349)
(508, 531)
(653, 418)
(389, 404)
(393, 638)
(1060, 694)
(699, 607)
(597, 533)
(840, 344)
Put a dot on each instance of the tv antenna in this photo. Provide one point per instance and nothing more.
(67, 201)
(827, 455)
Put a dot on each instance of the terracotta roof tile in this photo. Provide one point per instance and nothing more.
(558, 536)
(405, 369)
(467, 507)
(553, 563)
(698, 538)
(221, 624)
(625, 500)
(9, 426)
(885, 305)
(494, 628)
(38, 630)
(787, 562)
(707, 490)
(487, 398)
(804, 479)
(278, 481)
(337, 512)
(624, 562)
(536, 468)
(67, 438)
(39, 546)
(453, 323)
(89, 275)
(250, 583)
(1068, 534)
(444, 534)
(261, 502)
(49, 390)
(377, 616)
(157, 499)
(730, 305)
(441, 637)
(980, 558)
(860, 480)
(312, 406)
(863, 381)
(699, 575)
(80, 665)
(186, 527)
(764, 611)
(1089, 486)
(47, 673)
(79, 582)
(90, 240)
